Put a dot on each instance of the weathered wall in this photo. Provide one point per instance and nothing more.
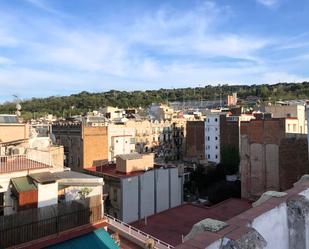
(70, 137)
(293, 160)
(95, 145)
(229, 132)
(273, 226)
(195, 139)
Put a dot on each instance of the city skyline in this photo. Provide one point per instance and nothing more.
(63, 47)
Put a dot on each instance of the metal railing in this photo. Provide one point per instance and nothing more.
(18, 163)
(136, 233)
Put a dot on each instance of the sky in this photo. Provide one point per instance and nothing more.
(60, 47)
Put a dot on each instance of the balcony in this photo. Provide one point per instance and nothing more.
(15, 163)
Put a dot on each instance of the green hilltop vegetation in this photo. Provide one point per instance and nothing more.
(85, 101)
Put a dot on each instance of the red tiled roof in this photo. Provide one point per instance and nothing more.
(171, 224)
(19, 164)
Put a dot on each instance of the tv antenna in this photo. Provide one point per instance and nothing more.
(18, 105)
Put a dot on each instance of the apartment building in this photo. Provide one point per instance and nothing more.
(295, 115)
(172, 142)
(83, 144)
(147, 133)
(136, 188)
(121, 140)
(271, 159)
(222, 129)
(212, 137)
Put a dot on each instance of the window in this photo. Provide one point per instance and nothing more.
(216, 138)
(289, 127)
(216, 147)
(216, 156)
(208, 138)
(216, 120)
(294, 127)
(208, 156)
(208, 120)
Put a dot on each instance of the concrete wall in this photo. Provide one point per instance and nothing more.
(151, 192)
(52, 156)
(11, 132)
(129, 199)
(175, 188)
(47, 194)
(126, 166)
(147, 198)
(273, 226)
(162, 190)
(71, 193)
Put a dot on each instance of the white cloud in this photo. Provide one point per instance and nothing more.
(269, 3)
(161, 49)
(6, 61)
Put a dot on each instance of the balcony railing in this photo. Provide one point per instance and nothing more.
(135, 233)
(19, 163)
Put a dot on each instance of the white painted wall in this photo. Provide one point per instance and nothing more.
(273, 226)
(154, 194)
(175, 188)
(129, 199)
(147, 194)
(212, 138)
(162, 193)
(47, 194)
(119, 140)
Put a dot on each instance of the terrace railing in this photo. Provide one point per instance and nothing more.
(135, 233)
(19, 163)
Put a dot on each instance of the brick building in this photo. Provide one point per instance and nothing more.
(270, 158)
(83, 145)
(195, 141)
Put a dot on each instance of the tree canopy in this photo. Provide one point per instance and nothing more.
(85, 101)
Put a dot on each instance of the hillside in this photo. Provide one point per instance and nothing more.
(85, 101)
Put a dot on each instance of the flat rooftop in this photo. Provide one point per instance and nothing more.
(170, 225)
(110, 170)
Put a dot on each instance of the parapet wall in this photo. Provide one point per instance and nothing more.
(279, 222)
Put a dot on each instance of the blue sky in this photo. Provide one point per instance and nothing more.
(59, 47)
